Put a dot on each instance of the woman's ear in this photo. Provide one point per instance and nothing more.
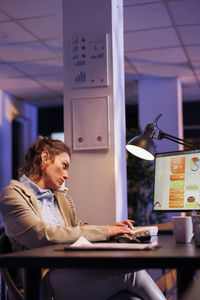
(44, 156)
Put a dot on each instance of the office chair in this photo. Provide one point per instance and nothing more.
(9, 289)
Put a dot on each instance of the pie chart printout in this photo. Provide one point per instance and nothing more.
(194, 164)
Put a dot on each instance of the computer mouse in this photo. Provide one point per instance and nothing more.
(125, 238)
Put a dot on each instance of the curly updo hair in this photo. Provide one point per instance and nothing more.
(33, 159)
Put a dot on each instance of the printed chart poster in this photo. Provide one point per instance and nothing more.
(177, 182)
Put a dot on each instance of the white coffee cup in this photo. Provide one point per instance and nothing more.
(182, 229)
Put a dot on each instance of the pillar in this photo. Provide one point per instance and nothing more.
(94, 100)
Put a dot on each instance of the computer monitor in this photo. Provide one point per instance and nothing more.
(177, 181)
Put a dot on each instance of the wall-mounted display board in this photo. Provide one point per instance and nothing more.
(90, 123)
(89, 60)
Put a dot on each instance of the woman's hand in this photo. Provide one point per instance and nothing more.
(125, 223)
(121, 228)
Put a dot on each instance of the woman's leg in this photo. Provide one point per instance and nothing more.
(143, 285)
(79, 284)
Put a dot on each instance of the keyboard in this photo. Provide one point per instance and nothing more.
(138, 234)
(153, 230)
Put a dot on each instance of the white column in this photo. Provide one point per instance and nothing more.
(162, 96)
(97, 179)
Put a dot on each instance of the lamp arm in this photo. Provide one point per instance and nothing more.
(175, 139)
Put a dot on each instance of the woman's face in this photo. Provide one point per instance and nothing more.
(56, 172)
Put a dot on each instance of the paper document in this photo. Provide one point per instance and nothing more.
(83, 243)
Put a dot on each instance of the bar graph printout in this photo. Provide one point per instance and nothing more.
(177, 181)
(89, 59)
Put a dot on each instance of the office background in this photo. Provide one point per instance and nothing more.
(161, 47)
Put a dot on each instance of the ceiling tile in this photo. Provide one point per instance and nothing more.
(3, 17)
(20, 84)
(50, 27)
(51, 77)
(145, 16)
(129, 67)
(35, 92)
(190, 34)
(150, 39)
(136, 2)
(194, 52)
(39, 97)
(55, 46)
(28, 9)
(197, 68)
(24, 52)
(8, 71)
(48, 99)
(185, 11)
(164, 70)
(41, 67)
(3, 35)
(13, 33)
(165, 55)
(54, 81)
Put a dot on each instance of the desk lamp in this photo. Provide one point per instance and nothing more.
(143, 145)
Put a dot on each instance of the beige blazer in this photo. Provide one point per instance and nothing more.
(26, 228)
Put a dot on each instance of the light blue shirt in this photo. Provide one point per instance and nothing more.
(49, 207)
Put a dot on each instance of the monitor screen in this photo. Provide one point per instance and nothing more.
(177, 181)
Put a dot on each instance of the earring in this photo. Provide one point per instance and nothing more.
(43, 167)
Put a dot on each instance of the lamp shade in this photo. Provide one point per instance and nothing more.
(143, 145)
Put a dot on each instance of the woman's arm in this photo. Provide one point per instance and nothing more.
(23, 223)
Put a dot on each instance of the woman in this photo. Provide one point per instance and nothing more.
(37, 212)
